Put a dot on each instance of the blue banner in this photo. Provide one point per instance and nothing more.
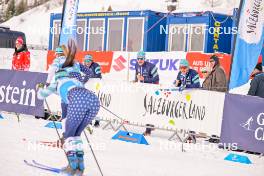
(243, 123)
(248, 43)
(69, 21)
(18, 92)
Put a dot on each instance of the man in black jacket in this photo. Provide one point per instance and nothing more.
(257, 84)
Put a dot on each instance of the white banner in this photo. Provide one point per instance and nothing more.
(196, 110)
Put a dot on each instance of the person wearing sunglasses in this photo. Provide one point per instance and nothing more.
(187, 77)
(205, 72)
(146, 72)
(96, 73)
(95, 67)
(216, 80)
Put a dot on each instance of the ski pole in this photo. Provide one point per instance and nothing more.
(57, 131)
(61, 139)
(93, 154)
(112, 113)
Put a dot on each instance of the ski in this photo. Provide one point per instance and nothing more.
(51, 169)
(42, 167)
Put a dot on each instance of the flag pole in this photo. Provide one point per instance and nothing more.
(62, 17)
(237, 18)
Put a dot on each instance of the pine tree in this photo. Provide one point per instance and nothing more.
(35, 3)
(21, 8)
(10, 11)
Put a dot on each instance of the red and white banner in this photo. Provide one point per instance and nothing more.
(120, 66)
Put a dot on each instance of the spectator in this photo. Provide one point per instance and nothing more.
(95, 67)
(257, 84)
(146, 72)
(187, 77)
(96, 70)
(205, 72)
(21, 56)
(216, 80)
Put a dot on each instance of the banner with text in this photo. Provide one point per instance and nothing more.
(162, 107)
(243, 122)
(18, 92)
(120, 66)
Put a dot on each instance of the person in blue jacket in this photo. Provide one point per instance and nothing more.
(95, 69)
(146, 72)
(187, 77)
(82, 107)
(93, 66)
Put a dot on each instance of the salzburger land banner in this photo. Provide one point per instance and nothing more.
(18, 92)
(243, 122)
(161, 106)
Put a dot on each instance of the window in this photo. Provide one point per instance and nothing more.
(56, 33)
(177, 37)
(135, 34)
(96, 35)
(115, 35)
(81, 34)
(196, 37)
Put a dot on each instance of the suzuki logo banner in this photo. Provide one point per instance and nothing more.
(243, 122)
(18, 92)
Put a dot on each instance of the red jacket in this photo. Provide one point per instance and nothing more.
(21, 61)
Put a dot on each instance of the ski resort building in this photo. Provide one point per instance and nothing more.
(115, 31)
(201, 31)
(148, 30)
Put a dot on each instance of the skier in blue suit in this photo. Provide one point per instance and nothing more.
(74, 71)
(82, 107)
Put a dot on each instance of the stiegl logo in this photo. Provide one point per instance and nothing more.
(16, 95)
(259, 131)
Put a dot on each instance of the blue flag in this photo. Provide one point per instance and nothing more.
(249, 42)
(69, 21)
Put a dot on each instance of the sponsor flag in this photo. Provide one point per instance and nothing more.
(249, 41)
(69, 21)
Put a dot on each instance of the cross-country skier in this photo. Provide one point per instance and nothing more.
(74, 70)
(82, 107)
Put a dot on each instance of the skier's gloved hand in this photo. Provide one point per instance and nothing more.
(40, 85)
(47, 84)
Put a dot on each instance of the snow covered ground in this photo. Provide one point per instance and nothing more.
(160, 158)
(35, 22)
